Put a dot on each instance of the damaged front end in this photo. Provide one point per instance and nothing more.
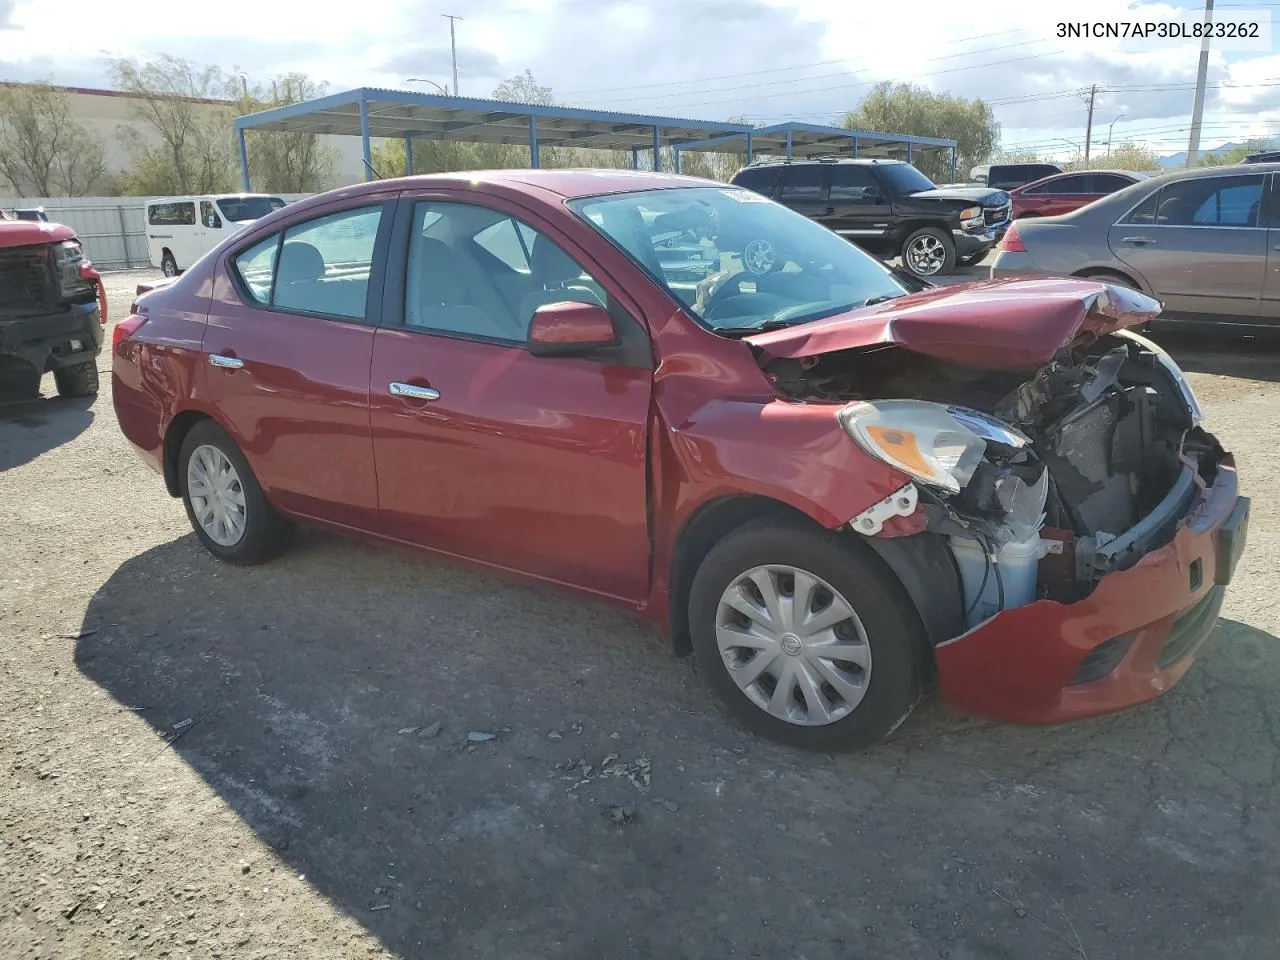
(1061, 491)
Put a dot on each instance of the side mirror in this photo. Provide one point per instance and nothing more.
(569, 328)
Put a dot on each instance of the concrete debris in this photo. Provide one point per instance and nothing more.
(621, 816)
(638, 771)
(405, 731)
(479, 736)
(430, 730)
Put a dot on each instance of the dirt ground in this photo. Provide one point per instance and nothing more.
(204, 761)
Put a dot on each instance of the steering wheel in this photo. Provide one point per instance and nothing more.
(731, 288)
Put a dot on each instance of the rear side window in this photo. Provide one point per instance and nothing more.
(803, 183)
(1109, 182)
(760, 179)
(257, 266)
(181, 214)
(1145, 212)
(324, 264)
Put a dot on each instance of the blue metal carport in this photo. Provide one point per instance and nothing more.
(374, 112)
(793, 139)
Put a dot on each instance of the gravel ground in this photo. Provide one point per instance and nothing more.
(203, 761)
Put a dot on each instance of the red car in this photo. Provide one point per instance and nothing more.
(824, 480)
(1064, 192)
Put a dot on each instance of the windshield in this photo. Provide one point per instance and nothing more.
(737, 261)
(905, 178)
(240, 209)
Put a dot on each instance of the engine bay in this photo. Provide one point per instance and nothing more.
(1092, 458)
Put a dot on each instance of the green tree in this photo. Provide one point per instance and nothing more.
(1123, 156)
(281, 162)
(918, 111)
(190, 149)
(1234, 155)
(44, 151)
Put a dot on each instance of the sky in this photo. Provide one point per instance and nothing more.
(766, 60)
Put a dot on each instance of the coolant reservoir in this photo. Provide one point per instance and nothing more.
(1013, 567)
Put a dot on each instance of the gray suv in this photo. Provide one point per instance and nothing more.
(1205, 242)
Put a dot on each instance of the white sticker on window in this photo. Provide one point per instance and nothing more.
(745, 196)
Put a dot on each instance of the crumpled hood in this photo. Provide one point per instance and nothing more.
(1008, 324)
(24, 233)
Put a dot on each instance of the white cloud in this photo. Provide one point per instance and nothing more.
(767, 59)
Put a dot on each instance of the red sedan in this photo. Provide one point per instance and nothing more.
(1064, 192)
(823, 480)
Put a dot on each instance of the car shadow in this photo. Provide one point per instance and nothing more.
(1251, 356)
(615, 796)
(29, 428)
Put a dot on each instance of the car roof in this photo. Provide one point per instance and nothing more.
(1195, 173)
(800, 161)
(211, 196)
(564, 183)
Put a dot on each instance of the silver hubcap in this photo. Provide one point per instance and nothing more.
(793, 645)
(758, 257)
(217, 497)
(170, 268)
(926, 255)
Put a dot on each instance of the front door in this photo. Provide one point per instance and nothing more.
(803, 188)
(287, 352)
(536, 464)
(1202, 246)
(860, 207)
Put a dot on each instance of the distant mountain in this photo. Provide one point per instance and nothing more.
(1179, 159)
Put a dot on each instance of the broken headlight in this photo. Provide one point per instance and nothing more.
(923, 440)
(67, 258)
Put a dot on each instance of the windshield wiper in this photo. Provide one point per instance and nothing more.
(762, 327)
(881, 298)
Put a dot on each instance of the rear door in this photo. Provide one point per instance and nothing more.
(860, 207)
(483, 450)
(803, 188)
(287, 350)
(1201, 244)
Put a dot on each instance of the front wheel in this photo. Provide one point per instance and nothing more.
(805, 638)
(225, 504)
(929, 252)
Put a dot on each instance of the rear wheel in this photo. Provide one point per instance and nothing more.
(806, 640)
(168, 265)
(1119, 279)
(225, 504)
(80, 380)
(929, 252)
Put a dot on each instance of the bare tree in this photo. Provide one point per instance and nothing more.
(523, 88)
(178, 101)
(44, 151)
(287, 162)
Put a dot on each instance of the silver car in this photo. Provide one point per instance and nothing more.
(1206, 242)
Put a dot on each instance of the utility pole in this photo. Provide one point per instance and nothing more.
(453, 46)
(1088, 129)
(1110, 127)
(1197, 107)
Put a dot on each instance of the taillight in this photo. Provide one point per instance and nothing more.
(1011, 242)
(126, 328)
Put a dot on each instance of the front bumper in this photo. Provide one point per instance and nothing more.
(1019, 666)
(54, 340)
(967, 244)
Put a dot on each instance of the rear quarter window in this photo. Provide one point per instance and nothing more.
(761, 180)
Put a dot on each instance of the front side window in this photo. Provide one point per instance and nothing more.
(739, 262)
(477, 272)
(322, 266)
(904, 178)
(853, 183)
(208, 217)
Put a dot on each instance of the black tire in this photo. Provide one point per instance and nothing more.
(895, 635)
(169, 266)
(80, 380)
(265, 531)
(948, 262)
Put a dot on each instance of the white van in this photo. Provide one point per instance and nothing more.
(181, 230)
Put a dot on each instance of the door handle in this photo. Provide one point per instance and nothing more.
(829, 211)
(1140, 241)
(229, 363)
(413, 391)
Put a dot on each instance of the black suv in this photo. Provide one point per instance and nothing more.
(888, 207)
